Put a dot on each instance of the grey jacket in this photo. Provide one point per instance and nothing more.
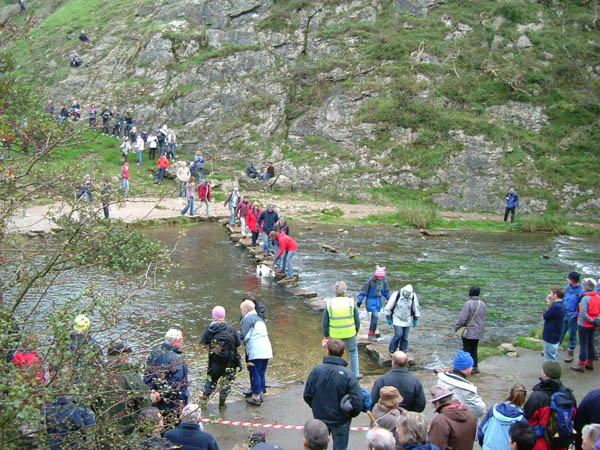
(255, 336)
(477, 326)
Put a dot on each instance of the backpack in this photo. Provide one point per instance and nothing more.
(222, 345)
(559, 431)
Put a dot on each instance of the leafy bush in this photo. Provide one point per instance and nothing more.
(551, 223)
(416, 213)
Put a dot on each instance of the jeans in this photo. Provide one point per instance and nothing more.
(288, 260)
(201, 174)
(550, 351)
(125, 185)
(470, 346)
(105, 209)
(231, 214)
(569, 324)
(266, 242)
(160, 175)
(340, 435)
(139, 155)
(182, 185)
(512, 214)
(587, 352)
(275, 245)
(84, 195)
(190, 206)
(116, 131)
(128, 128)
(243, 225)
(254, 238)
(352, 346)
(205, 201)
(265, 177)
(374, 321)
(400, 339)
(171, 150)
(161, 147)
(258, 370)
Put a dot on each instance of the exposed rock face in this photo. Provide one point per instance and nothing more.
(242, 81)
(523, 115)
(418, 8)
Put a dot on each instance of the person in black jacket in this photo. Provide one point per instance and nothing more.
(220, 364)
(408, 385)
(588, 412)
(327, 384)
(536, 407)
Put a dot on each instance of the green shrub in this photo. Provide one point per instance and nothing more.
(552, 223)
(416, 213)
(333, 211)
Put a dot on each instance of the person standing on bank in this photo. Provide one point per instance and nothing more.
(258, 349)
(553, 318)
(573, 293)
(341, 320)
(589, 312)
(512, 201)
(376, 287)
(470, 325)
(402, 310)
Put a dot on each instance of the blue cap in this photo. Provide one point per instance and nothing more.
(463, 360)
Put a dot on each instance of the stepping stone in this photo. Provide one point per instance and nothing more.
(246, 242)
(317, 303)
(380, 353)
(235, 237)
(304, 293)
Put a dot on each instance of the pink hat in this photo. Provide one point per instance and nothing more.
(379, 271)
(218, 313)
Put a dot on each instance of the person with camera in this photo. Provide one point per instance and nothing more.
(553, 318)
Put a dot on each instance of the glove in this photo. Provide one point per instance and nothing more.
(389, 320)
(358, 303)
(415, 323)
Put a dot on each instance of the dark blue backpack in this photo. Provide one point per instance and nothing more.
(559, 431)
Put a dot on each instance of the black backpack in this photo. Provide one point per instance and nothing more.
(222, 345)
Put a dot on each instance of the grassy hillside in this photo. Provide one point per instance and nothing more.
(431, 75)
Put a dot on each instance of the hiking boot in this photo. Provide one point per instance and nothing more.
(579, 367)
(253, 401)
(589, 365)
(372, 337)
(569, 357)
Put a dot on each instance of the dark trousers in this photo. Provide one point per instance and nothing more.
(340, 435)
(258, 371)
(587, 352)
(512, 214)
(105, 209)
(215, 371)
(254, 238)
(116, 131)
(470, 346)
(152, 153)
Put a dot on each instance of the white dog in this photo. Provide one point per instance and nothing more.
(263, 270)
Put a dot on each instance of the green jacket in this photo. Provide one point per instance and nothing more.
(124, 396)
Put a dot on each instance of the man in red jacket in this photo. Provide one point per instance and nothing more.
(162, 163)
(242, 210)
(288, 246)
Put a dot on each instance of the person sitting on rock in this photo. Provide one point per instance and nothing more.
(251, 171)
(83, 38)
(76, 60)
(269, 172)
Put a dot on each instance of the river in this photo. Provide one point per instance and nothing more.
(514, 270)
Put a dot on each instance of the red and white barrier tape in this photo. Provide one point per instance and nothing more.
(268, 425)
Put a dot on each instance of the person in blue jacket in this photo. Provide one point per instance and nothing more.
(67, 423)
(573, 293)
(167, 374)
(494, 430)
(512, 201)
(376, 287)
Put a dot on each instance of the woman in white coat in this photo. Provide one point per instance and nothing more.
(402, 311)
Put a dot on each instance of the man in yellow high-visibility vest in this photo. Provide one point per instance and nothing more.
(341, 320)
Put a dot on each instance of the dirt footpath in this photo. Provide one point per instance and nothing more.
(40, 217)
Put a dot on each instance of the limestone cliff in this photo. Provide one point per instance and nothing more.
(457, 100)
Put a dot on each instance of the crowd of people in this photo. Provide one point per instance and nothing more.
(543, 418)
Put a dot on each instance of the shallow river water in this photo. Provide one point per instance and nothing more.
(514, 270)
